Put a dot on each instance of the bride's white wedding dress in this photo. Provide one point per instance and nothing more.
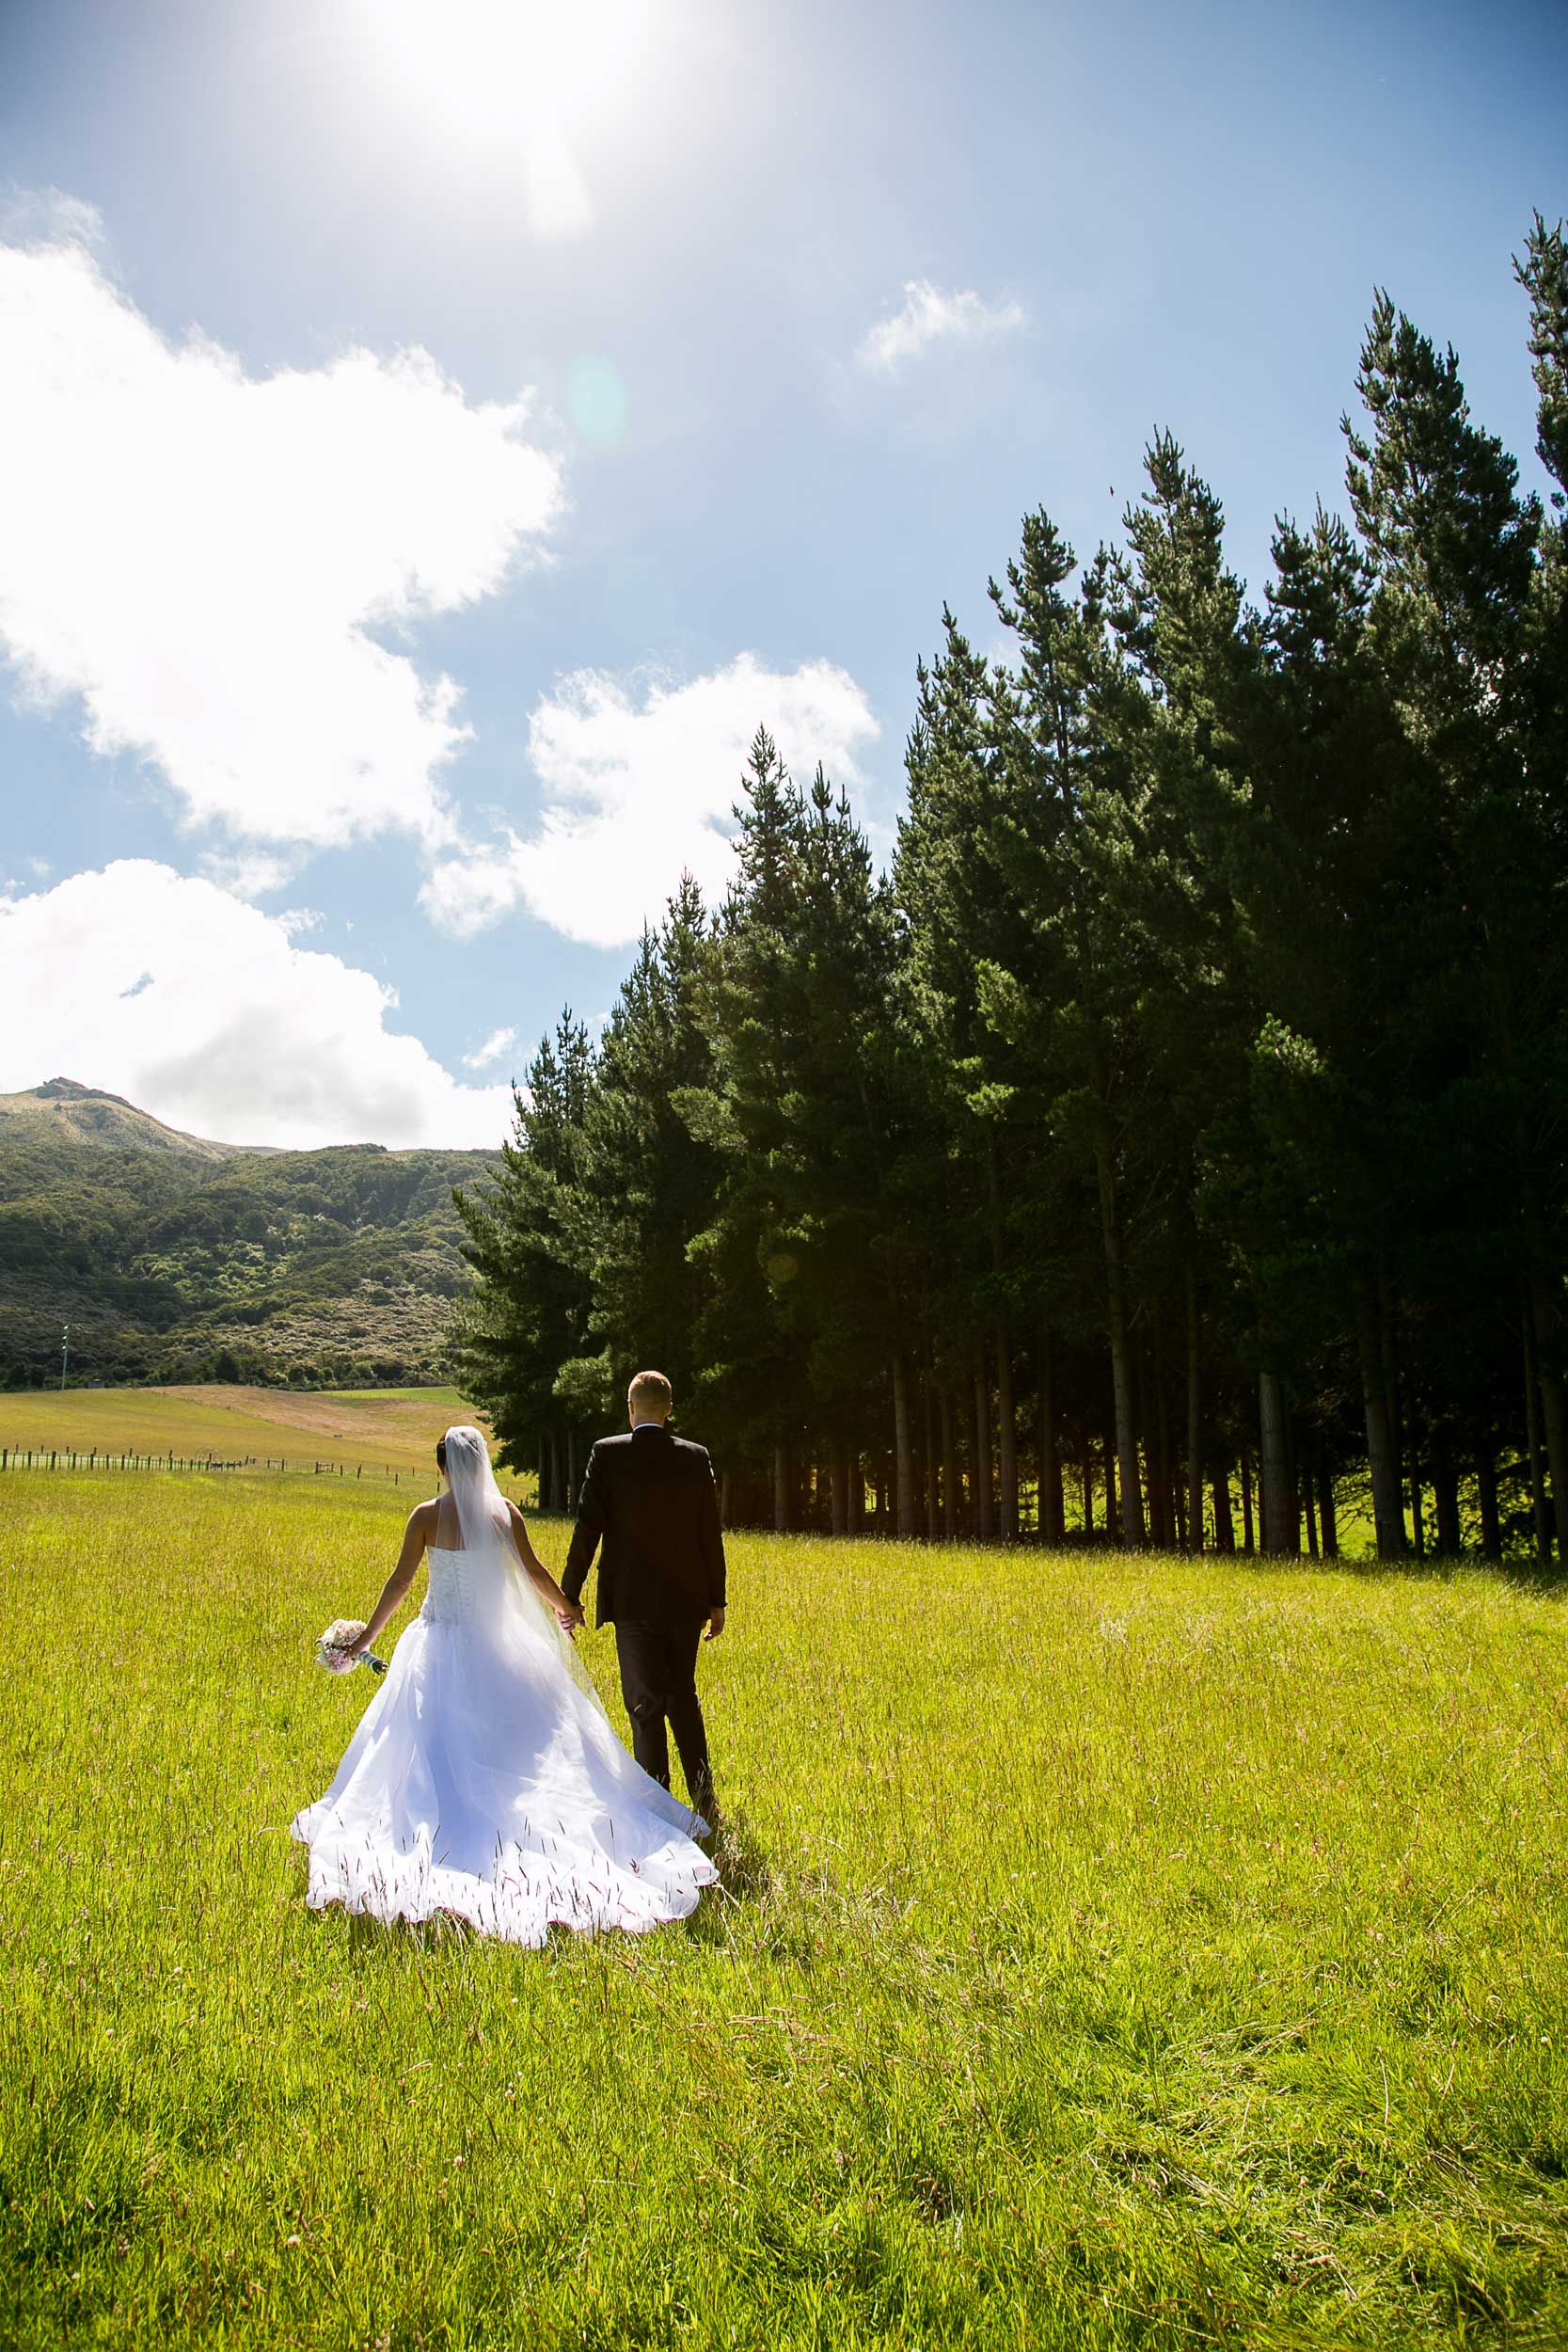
(486, 1781)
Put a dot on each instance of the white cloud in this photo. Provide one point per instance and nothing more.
(635, 792)
(930, 316)
(165, 988)
(49, 217)
(498, 1044)
(199, 555)
(251, 873)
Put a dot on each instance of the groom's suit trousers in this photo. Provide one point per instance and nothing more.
(658, 1683)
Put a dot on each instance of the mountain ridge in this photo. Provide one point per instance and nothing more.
(104, 1122)
(176, 1257)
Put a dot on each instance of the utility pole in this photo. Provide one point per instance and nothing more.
(65, 1354)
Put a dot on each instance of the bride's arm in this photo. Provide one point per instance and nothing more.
(543, 1583)
(395, 1591)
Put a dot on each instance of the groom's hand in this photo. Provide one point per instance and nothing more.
(715, 1625)
(569, 1617)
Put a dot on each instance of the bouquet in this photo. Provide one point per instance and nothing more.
(332, 1647)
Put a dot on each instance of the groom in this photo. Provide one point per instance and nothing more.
(651, 1497)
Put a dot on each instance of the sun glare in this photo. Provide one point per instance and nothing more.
(516, 83)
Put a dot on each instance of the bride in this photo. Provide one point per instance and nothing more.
(485, 1779)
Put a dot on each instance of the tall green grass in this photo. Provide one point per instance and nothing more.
(1110, 1953)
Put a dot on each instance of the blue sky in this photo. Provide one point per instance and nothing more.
(749, 333)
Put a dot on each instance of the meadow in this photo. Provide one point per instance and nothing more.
(1110, 1952)
(376, 1429)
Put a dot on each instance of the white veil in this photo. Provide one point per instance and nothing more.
(513, 1612)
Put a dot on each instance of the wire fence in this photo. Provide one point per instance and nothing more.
(100, 1458)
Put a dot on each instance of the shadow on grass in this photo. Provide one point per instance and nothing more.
(745, 1876)
(1525, 1574)
(447, 1932)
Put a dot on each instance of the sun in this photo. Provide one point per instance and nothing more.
(511, 83)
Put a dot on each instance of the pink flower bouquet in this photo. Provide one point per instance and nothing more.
(332, 1648)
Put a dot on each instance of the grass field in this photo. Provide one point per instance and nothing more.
(1111, 1953)
(382, 1429)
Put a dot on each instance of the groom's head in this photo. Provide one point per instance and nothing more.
(650, 1397)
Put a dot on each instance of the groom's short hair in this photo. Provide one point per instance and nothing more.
(651, 1391)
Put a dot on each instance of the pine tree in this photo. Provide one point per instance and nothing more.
(1455, 550)
(528, 1313)
(647, 1184)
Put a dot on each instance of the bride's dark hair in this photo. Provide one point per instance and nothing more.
(440, 1453)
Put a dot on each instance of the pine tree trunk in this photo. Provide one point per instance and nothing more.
(1086, 1476)
(1554, 1414)
(1486, 1495)
(838, 1491)
(1050, 1507)
(903, 1459)
(1279, 1514)
(1445, 1494)
(1194, 1420)
(1311, 1517)
(1541, 1510)
(1148, 1452)
(1131, 1512)
(984, 1511)
(1325, 1504)
(1224, 1527)
(1167, 1536)
(782, 1496)
(1113, 1501)
(1417, 1511)
(1006, 1416)
(1006, 1431)
(856, 1472)
(1554, 1422)
(950, 1498)
(1388, 1331)
(1382, 1455)
(1545, 1297)
(1554, 1417)
(1248, 1544)
(933, 1523)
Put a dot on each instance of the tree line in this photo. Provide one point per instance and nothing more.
(1170, 1145)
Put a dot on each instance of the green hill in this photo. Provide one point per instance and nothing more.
(177, 1258)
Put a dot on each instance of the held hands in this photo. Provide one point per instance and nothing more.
(569, 1617)
(715, 1625)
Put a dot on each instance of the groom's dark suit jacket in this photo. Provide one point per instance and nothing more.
(649, 1497)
